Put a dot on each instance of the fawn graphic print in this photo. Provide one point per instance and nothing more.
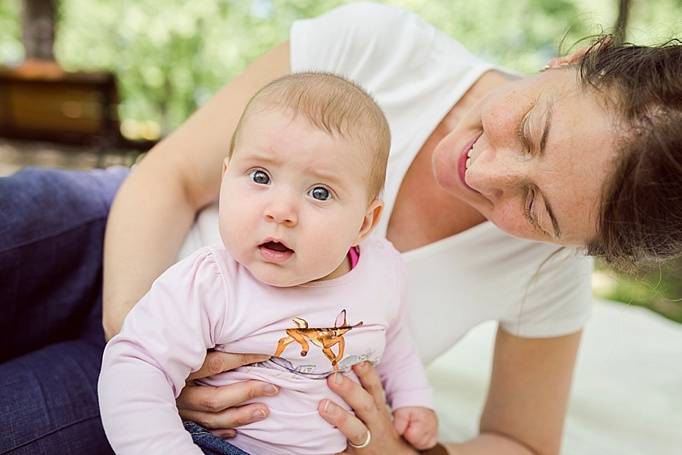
(323, 337)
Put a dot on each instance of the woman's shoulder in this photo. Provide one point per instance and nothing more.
(360, 35)
(359, 13)
(372, 22)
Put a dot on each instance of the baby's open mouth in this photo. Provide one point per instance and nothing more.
(275, 246)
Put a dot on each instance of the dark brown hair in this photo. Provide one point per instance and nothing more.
(640, 219)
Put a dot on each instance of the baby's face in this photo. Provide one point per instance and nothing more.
(293, 199)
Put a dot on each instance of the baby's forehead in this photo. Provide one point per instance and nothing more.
(365, 144)
(358, 137)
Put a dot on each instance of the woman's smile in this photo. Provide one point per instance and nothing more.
(465, 160)
(532, 180)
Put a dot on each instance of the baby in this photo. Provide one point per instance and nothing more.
(297, 276)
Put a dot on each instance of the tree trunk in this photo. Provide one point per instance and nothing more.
(622, 21)
(38, 18)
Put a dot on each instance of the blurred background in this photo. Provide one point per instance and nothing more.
(120, 75)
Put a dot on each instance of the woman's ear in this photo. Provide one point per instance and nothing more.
(566, 60)
(575, 56)
(372, 217)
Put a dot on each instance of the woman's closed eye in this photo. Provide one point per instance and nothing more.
(540, 215)
(528, 206)
(531, 210)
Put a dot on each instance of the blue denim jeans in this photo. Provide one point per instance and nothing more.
(51, 338)
(211, 444)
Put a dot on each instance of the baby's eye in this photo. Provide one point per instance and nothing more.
(320, 193)
(260, 177)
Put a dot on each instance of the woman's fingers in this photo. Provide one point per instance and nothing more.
(371, 382)
(217, 362)
(218, 399)
(350, 426)
(362, 402)
(222, 424)
(366, 398)
(371, 414)
(217, 408)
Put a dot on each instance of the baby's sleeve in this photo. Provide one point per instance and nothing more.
(401, 370)
(163, 340)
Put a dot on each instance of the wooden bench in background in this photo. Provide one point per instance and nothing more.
(78, 108)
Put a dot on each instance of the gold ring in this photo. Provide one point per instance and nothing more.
(364, 444)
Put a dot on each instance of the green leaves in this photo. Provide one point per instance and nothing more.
(170, 56)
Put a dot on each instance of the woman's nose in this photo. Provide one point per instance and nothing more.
(495, 173)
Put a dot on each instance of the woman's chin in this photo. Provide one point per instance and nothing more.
(444, 173)
(449, 180)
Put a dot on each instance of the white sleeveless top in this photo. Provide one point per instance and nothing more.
(416, 74)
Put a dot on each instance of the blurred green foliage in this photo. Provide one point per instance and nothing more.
(170, 56)
(10, 31)
(658, 288)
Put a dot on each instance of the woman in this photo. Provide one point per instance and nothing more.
(537, 157)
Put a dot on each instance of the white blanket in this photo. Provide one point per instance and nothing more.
(627, 393)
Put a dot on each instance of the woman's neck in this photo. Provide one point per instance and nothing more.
(425, 213)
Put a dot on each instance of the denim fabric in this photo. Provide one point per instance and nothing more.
(51, 339)
(211, 444)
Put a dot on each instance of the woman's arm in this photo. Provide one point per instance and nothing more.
(524, 413)
(157, 204)
(529, 390)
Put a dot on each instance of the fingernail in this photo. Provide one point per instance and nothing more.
(259, 414)
(329, 407)
(271, 390)
(338, 379)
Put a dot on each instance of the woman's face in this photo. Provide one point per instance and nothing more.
(532, 157)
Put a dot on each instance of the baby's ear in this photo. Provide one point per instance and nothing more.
(372, 217)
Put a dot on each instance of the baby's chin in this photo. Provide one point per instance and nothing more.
(283, 279)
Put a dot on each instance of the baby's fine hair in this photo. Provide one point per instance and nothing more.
(336, 106)
(640, 218)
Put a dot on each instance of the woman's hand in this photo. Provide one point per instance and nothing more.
(217, 408)
(371, 417)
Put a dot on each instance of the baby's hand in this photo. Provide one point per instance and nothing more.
(419, 426)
